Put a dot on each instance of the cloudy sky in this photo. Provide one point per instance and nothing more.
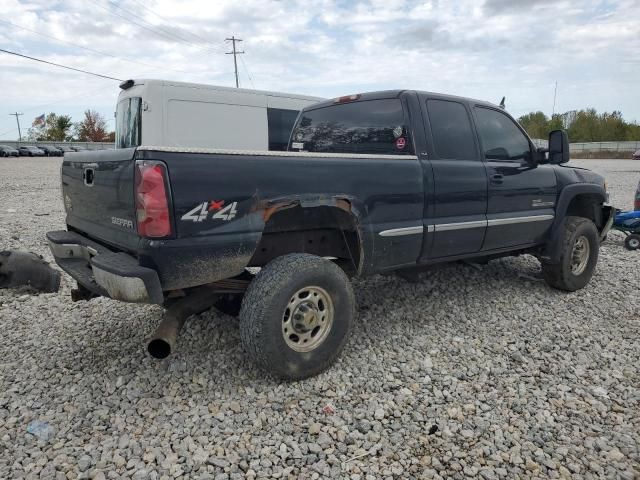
(483, 49)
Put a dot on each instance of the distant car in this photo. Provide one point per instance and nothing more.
(65, 148)
(50, 151)
(636, 155)
(30, 151)
(6, 151)
(78, 148)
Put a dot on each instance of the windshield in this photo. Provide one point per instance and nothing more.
(129, 123)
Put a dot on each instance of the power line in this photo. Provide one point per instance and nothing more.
(61, 66)
(17, 115)
(202, 39)
(248, 74)
(149, 27)
(87, 48)
(233, 40)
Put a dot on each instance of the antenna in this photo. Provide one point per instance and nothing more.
(555, 91)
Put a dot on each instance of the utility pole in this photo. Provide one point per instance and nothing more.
(233, 40)
(17, 115)
(555, 91)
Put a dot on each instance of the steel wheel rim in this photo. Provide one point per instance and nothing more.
(580, 255)
(307, 319)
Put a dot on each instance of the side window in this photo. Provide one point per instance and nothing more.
(367, 127)
(280, 122)
(451, 130)
(501, 137)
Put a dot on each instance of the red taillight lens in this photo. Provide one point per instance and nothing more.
(152, 203)
(636, 204)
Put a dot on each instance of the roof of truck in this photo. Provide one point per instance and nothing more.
(381, 94)
(171, 83)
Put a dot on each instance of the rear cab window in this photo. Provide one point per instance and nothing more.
(367, 127)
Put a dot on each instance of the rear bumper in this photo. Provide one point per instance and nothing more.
(115, 275)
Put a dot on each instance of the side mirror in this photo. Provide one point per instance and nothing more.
(558, 147)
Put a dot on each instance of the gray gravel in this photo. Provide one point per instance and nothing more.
(473, 372)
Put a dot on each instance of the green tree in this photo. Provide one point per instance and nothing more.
(536, 124)
(56, 128)
(582, 125)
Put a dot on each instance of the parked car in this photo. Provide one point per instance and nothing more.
(7, 151)
(373, 183)
(78, 148)
(50, 151)
(636, 155)
(30, 151)
(65, 149)
(183, 115)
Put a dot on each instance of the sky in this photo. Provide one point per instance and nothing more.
(481, 49)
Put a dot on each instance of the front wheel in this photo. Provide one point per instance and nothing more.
(632, 242)
(578, 255)
(296, 315)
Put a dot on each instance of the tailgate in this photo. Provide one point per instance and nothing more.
(98, 195)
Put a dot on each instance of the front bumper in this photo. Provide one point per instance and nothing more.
(115, 275)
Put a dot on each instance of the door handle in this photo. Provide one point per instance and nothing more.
(497, 178)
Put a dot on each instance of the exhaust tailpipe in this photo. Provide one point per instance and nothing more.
(163, 341)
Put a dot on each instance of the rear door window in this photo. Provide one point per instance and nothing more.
(451, 130)
(129, 122)
(280, 122)
(367, 127)
(501, 137)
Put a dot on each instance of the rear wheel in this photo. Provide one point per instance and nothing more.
(632, 242)
(578, 257)
(296, 315)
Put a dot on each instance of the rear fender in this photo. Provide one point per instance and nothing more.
(266, 209)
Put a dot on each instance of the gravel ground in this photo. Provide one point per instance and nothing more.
(473, 372)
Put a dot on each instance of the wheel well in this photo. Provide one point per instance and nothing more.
(326, 231)
(586, 205)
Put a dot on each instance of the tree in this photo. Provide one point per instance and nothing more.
(93, 128)
(536, 124)
(582, 125)
(55, 128)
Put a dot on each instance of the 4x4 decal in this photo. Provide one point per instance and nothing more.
(202, 211)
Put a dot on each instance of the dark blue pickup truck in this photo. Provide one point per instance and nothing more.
(372, 183)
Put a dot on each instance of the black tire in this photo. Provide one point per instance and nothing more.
(569, 274)
(632, 242)
(263, 316)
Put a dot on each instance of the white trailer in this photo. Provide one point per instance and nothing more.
(177, 114)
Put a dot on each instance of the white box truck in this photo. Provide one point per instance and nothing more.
(178, 114)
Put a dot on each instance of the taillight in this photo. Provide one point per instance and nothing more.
(152, 202)
(636, 204)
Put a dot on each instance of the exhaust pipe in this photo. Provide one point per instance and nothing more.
(163, 341)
